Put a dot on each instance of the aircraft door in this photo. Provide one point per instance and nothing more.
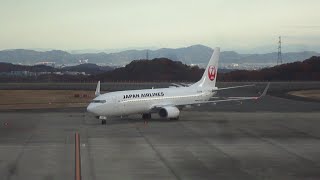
(115, 105)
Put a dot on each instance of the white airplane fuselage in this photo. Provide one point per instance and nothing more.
(165, 101)
(122, 103)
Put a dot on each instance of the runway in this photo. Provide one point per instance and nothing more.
(274, 138)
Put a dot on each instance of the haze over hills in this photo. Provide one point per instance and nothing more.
(197, 54)
(307, 70)
(86, 68)
(160, 69)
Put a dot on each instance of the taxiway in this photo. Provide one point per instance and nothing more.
(274, 138)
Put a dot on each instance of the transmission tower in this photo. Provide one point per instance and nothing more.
(279, 61)
(147, 55)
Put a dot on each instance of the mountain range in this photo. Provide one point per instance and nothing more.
(307, 70)
(165, 70)
(87, 68)
(197, 54)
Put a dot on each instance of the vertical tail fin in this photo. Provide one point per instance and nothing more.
(209, 76)
(97, 93)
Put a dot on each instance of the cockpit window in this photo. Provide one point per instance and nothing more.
(98, 101)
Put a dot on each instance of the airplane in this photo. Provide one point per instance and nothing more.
(167, 102)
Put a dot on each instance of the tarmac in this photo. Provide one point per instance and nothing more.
(274, 138)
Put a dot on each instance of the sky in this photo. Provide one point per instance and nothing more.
(240, 25)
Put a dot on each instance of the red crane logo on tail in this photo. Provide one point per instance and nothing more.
(212, 72)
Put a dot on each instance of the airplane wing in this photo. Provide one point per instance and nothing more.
(237, 98)
(186, 84)
(249, 85)
(176, 85)
(226, 99)
(180, 85)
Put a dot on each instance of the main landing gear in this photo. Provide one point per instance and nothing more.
(175, 119)
(146, 117)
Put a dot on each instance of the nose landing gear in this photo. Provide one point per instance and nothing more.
(103, 119)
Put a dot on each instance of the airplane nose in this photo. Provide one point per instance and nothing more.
(90, 108)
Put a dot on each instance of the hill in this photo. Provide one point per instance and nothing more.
(32, 57)
(162, 69)
(196, 54)
(88, 68)
(159, 69)
(8, 67)
(308, 70)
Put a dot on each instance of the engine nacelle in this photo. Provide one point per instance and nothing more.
(169, 112)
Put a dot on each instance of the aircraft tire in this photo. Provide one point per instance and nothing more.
(103, 122)
(175, 119)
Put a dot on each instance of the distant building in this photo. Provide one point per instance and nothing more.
(21, 73)
(83, 61)
(58, 73)
(192, 65)
(47, 63)
(43, 73)
(74, 73)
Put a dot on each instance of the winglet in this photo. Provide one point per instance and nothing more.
(97, 93)
(265, 90)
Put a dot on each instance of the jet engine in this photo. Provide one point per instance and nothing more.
(169, 112)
